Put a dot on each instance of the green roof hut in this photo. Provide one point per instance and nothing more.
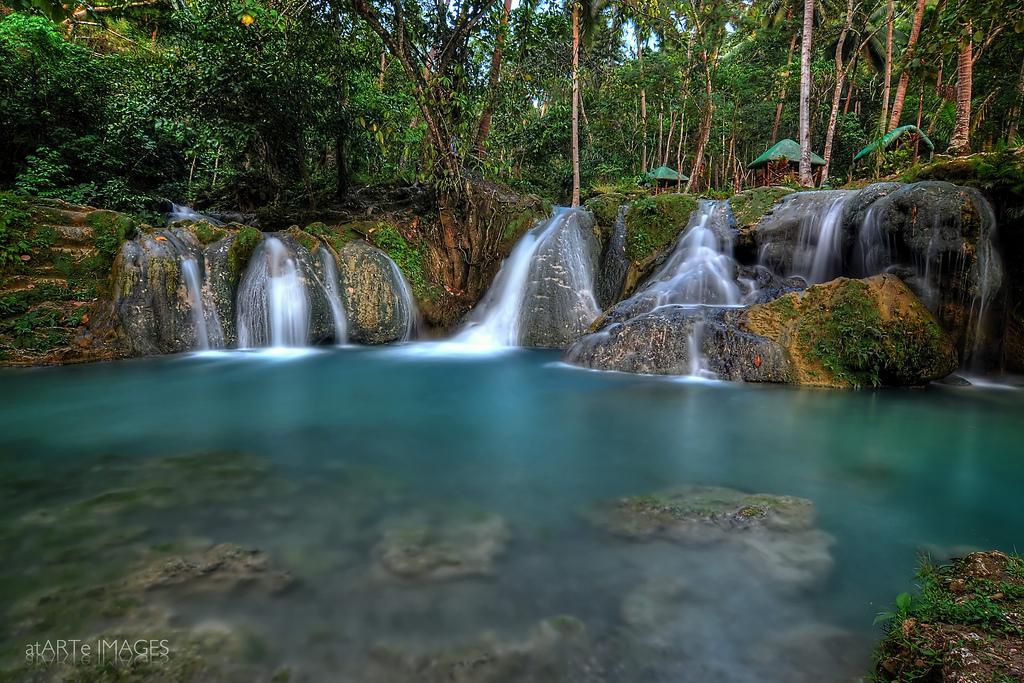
(780, 162)
(664, 177)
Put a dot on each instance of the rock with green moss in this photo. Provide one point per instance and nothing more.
(432, 546)
(652, 223)
(844, 333)
(852, 333)
(965, 624)
(376, 299)
(610, 226)
(777, 532)
(242, 245)
(748, 207)
(151, 299)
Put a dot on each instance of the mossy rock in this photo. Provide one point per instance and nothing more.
(605, 208)
(853, 333)
(306, 239)
(750, 205)
(206, 232)
(372, 294)
(701, 512)
(410, 257)
(242, 246)
(653, 222)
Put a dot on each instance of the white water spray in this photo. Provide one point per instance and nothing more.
(272, 303)
(818, 256)
(334, 296)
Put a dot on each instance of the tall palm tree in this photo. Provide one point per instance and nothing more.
(960, 142)
(576, 102)
(908, 55)
(806, 178)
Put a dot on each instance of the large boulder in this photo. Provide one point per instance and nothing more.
(558, 301)
(748, 208)
(783, 233)
(854, 333)
(377, 301)
(683, 340)
(940, 239)
(151, 297)
(844, 333)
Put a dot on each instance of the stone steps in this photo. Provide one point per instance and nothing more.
(71, 235)
(63, 214)
(23, 283)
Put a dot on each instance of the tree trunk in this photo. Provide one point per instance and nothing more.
(782, 92)
(960, 143)
(838, 92)
(341, 162)
(668, 144)
(575, 103)
(704, 132)
(1011, 132)
(887, 76)
(643, 104)
(806, 178)
(901, 87)
(492, 87)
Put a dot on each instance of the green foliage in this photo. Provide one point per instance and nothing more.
(241, 249)
(954, 596)
(653, 222)
(408, 257)
(15, 240)
(845, 332)
(109, 231)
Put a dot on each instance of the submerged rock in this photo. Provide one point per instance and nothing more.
(223, 568)
(776, 533)
(554, 651)
(702, 514)
(376, 299)
(433, 547)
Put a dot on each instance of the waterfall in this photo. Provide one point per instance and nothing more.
(700, 269)
(185, 213)
(272, 303)
(694, 346)
(872, 253)
(406, 301)
(551, 255)
(205, 337)
(334, 296)
(819, 255)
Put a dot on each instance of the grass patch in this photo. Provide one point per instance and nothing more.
(653, 222)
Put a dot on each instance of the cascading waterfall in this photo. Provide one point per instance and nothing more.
(272, 302)
(698, 362)
(700, 269)
(185, 213)
(498, 319)
(334, 296)
(873, 252)
(206, 338)
(819, 255)
(406, 301)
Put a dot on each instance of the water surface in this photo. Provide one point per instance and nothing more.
(313, 457)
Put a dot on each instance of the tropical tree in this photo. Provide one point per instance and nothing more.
(805, 95)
